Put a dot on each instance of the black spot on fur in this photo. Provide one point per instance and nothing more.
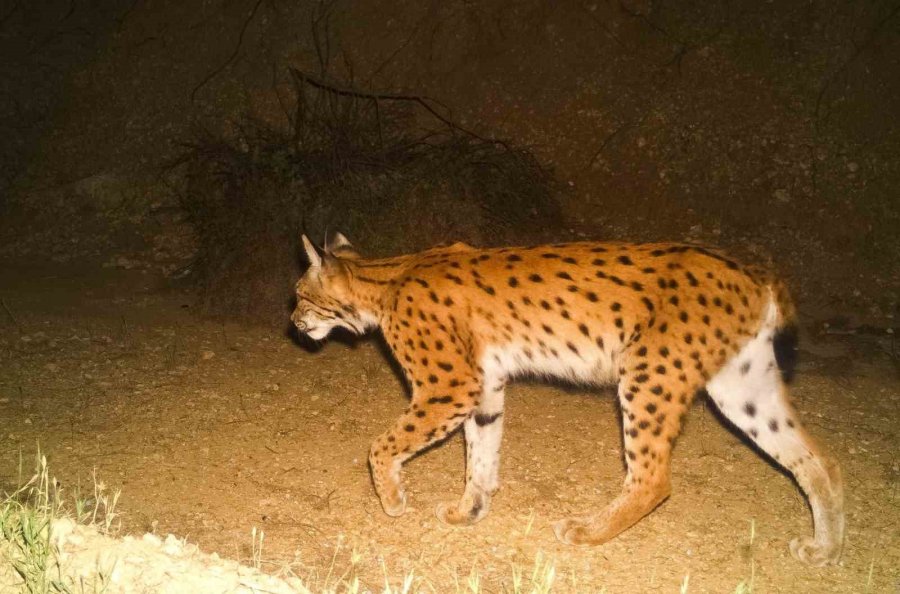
(481, 420)
(785, 346)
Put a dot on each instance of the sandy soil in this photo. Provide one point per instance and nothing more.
(212, 428)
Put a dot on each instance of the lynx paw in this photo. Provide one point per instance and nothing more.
(807, 550)
(394, 504)
(582, 530)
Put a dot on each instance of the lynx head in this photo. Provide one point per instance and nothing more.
(324, 298)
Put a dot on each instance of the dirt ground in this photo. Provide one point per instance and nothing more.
(212, 428)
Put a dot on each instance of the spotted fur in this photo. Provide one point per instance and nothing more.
(663, 321)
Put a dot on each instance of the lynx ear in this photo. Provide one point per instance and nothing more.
(315, 260)
(338, 242)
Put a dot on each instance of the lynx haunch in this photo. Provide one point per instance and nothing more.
(661, 321)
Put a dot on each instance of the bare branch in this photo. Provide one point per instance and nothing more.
(233, 55)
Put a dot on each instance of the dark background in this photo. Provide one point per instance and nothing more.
(767, 128)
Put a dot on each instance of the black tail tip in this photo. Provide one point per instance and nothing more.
(785, 345)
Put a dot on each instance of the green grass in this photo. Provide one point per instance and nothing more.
(29, 559)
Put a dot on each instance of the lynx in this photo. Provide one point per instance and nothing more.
(662, 321)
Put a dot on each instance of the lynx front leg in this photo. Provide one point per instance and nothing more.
(484, 431)
(431, 416)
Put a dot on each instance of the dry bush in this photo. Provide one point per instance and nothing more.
(388, 171)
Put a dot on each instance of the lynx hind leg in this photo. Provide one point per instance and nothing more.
(750, 392)
(484, 431)
(653, 406)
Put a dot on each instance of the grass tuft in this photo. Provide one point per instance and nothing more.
(27, 516)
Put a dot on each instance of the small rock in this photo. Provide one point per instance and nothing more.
(207, 355)
(782, 195)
